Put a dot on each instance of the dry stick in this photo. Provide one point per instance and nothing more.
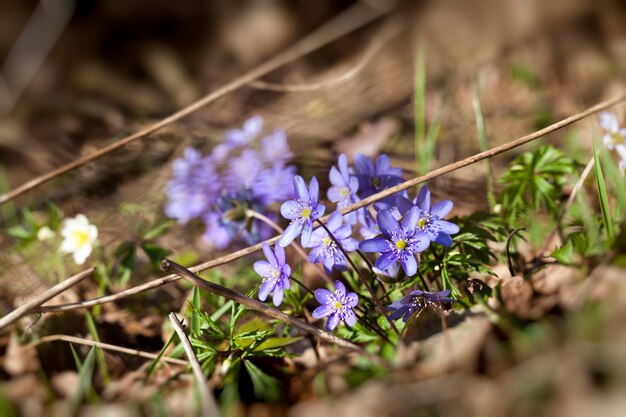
(567, 205)
(209, 406)
(379, 304)
(105, 346)
(385, 193)
(391, 29)
(354, 18)
(23, 310)
(255, 305)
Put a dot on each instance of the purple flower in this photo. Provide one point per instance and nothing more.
(275, 149)
(415, 301)
(275, 273)
(251, 129)
(375, 177)
(243, 170)
(194, 187)
(398, 241)
(325, 249)
(274, 184)
(216, 233)
(430, 218)
(613, 135)
(336, 306)
(302, 211)
(344, 188)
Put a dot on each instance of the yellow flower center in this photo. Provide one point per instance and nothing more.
(275, 273)
(400, 244)
(337, 305)
(81, 237)
(327, 241)
(616, 138)
(344, 192)
(375, 182)
(305, 213)
(421, 223)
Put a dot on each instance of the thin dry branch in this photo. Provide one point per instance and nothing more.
(209, 406)
(350, 20)
(405, 185)
(390, 30)
(255, 305)
(105, 346)
(21, 311)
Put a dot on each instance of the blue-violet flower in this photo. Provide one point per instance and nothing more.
(275, 273)
(398, 241)
(430, 217)
(375, 177)
(336, 306)
(415, 301)
(344, 188)
(302, 211)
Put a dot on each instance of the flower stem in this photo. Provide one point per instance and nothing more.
(361, 277)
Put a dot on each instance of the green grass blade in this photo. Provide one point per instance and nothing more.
(85, 374)
(419, 90)
(603, 195)
(156, 360)
(91, 325)
(481, 133)
(195, 317)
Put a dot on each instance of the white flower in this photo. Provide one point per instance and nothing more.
(78, 237)
(613, 135)
(45, 233)
(621, 150)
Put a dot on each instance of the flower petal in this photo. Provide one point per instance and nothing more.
(410, 219)
(291, 209)
(334, 193)
(441, 208)
(403, 204)
(265, 289)
(352, 299)
(314, 190)
(608, 121)
(279, 252)
(322, 311)
(332, 322)
(447, 227)
(423, 198)
(323, 296)
(307, 231)
(364, 165)
(277, 298)
(387, 223)
(443, 239)
(340, 289)
(334, 221)
(350, 318)
(377, 244)
(302, 193)
(291, 232)
(260, 267)
(422, 241)
(386, 260)
(350, 244)
(409, 264)
(335, 177)
(269, 254)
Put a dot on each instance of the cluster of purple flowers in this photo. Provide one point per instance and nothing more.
(614, 137)
(398, 229)
(244, 172)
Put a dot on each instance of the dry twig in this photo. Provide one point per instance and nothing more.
(209, 406)
(23, 310)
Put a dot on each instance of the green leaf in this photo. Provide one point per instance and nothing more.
(158, 229)
(85, 375)
(277, 342)
(155, 253)
(265, 386)
(20, 232)
(564, 254)
(603, 195)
